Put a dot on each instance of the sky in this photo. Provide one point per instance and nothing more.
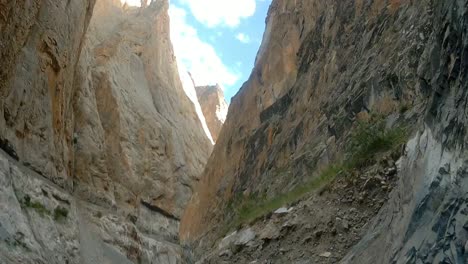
(217, 40)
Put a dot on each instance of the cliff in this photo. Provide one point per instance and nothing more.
(326, 69)
(214, 107)
(100, 144)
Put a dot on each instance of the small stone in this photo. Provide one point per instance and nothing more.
(326, 254)
(334, 232)
(318, 233)
(270, 232)
(345, 225)
(244, 237)
(225, 253)
(306, 240)
(283, 211)
(227, 241)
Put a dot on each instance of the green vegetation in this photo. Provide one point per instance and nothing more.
(60, 213)
(367, 139)
(37, 206)
(254, 208)
(371, 137)
(404, 108)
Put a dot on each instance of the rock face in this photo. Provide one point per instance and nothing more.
(40, 45)
(322, 66)
(214, 107)
(101, 146)
(132, 115)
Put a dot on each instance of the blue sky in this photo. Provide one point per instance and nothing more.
(217, 40)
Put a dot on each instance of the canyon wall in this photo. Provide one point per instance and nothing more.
(214, 107)
(100, 144)
(322, 66)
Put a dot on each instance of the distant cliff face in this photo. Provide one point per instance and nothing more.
(321, 66)
(214, 107)
(132, 115)
(101, 145)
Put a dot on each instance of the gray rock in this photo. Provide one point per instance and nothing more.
(269, 232)
(283, 211)
(244, 237)
(228, 241)
(225, 253)
(342, 224)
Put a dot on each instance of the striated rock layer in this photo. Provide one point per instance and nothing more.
(100, 144)
(214, 107)
(321, 65)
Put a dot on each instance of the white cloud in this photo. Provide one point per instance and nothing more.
(197, 56)
(243, 38)
(213, 13)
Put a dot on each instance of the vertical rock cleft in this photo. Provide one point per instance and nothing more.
(214, 107)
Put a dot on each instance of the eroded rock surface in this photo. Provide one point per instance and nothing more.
(101, 144)
(322, 66)
(214, 107)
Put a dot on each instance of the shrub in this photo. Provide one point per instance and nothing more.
(37, 206)
(60, 213)
(371, 137)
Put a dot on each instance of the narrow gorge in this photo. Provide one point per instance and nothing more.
(345, 145)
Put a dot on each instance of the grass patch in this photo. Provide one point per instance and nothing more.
(37, 206)
(252, 209)
(367, 139)
(60, 213)
(371, 137)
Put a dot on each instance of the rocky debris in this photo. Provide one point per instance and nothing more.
(237, 240)
(307, 232)
(214, 107)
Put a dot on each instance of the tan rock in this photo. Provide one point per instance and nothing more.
(214, 107)
(100, 113)
(319, 65)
